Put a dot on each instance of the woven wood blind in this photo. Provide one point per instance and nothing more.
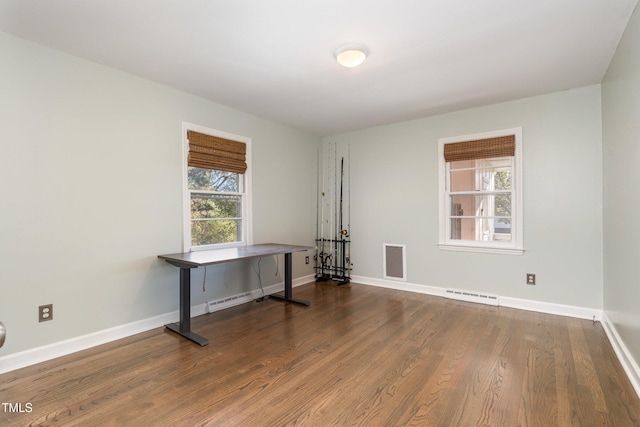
(503, 146)
(212, 152)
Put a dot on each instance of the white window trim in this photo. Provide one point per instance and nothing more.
(247, 220)
(515, 247)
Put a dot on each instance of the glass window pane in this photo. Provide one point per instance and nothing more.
(481, 229)
(480, 179)
(464, 180)
(502, 226)
(210, 232)
(213, 180)
(502, 205)
(216, 206)
(495, 162)
(486, 205)
(462, 164)
(502, 179)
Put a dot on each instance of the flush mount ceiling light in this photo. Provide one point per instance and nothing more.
(351, 55)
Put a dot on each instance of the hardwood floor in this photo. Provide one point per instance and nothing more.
(359, 355)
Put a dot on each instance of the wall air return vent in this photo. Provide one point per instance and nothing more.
(394, 262)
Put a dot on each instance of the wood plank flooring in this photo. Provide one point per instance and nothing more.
(359, 355)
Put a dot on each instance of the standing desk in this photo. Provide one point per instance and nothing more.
(188, 260)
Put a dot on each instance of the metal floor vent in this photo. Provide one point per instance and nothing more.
(472, 297)
(228, 302)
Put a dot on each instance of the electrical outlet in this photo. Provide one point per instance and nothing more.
(531, 279)
(306, 260)
(45, 313)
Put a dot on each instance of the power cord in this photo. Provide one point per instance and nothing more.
(257, 271)
(204, 279)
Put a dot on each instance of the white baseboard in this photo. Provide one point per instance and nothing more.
(552, 308)
(400, 286)
(32, 356)
(29, 357)
(628, 363)
(624, 356)
(522, 304)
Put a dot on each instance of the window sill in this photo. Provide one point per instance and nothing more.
(217, 246)
(481, 249)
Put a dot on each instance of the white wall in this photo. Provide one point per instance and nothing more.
(621, 143)
(90, 183)
(394, 199)
(91, 193)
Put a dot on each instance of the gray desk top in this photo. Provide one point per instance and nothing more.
(215, 256)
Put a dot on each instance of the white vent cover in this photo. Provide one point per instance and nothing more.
(228, 302)
(470, 296)
(394, 261)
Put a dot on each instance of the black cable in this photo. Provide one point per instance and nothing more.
(204, 279)
(259, 279)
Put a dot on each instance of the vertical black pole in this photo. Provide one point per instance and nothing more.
(288, 286)
(341, 235)
(185, 300)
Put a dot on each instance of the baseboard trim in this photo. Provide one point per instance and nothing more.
(522, 304)
(36, 355)
(552, 308)
(624, 356)
(22, 359)
(32, 356)
(400, 286)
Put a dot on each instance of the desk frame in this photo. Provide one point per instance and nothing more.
(189, 260)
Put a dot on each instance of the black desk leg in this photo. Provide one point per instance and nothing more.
(184, 326)
(288, 283)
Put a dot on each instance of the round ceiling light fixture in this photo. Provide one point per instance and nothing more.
(351, 55)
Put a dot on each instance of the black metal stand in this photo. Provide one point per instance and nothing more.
(288, 283)
(326, 269)
(184, 326)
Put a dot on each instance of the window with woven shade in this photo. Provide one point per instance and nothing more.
(213, 152)
(217, 187)
(481, 192)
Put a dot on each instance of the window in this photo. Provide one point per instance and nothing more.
(481, 192)
(217, 189)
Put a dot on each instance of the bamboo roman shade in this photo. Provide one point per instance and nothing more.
(212, 152)
(502, 146)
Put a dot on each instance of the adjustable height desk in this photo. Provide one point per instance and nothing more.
(188, 260)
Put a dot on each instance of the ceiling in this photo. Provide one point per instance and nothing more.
(275, 59)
